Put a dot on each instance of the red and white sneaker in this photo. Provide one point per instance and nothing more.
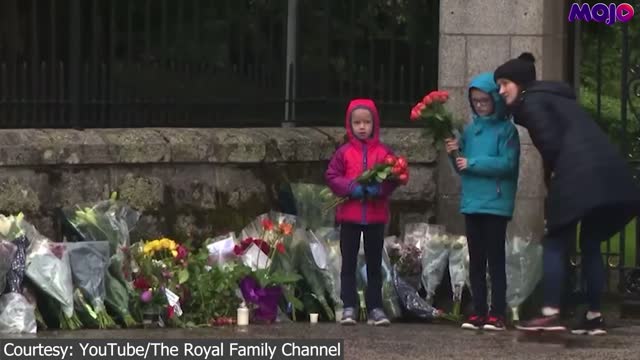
(474, 322)
(543, 323)
(494, 323)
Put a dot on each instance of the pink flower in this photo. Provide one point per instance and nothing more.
(182, 252)
(146, 296)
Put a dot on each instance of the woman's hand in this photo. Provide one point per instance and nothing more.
(461, 163)
(451, 145)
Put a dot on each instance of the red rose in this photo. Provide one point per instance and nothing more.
(170, 312)
(267, 224)
(402, 162)
(414, 115)
(246, 242)
(238, 250)
(141, 283)
(427, 100)
(397, 170)
(445, 95)
(403, 178)
(280, 248)
(390, 160)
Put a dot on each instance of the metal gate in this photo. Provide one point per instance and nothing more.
(608, 80)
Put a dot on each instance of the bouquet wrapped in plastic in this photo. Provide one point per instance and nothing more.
(7, 251)
(390, 299)
(16, 275)
(112, 221)
(311, 260)
(117, 300)
(524, 270)
(265, 251)
(435, 255)
(413, 306)
(11, 230)
(221, 249)
(458, 270)
(308, 198)
(330, 240)
(17, 314)
(89, 263)
(49, 269)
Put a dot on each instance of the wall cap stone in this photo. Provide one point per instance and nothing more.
(40, 147)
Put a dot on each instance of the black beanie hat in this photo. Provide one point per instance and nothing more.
(521, 71)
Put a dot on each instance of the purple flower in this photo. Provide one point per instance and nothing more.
(146, 296)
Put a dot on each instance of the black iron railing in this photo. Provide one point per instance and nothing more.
(610, 90)
(138, 63)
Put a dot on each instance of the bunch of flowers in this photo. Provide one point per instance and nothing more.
(391, 169)
(409, 261)
(266, 283)
(162, 272)
(266, 248)
(438, 121)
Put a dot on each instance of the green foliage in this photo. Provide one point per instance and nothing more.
(219, 283)
(601, 70)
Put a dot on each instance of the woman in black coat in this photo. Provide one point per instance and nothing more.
(588, 182)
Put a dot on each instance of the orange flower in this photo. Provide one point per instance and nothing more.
(267, 224)
(286, 228)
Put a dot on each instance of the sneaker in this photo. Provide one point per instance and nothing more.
(474, 322)
(591, 327)
(377, 317)
(348, 316)
(494, 323)
(543, 323)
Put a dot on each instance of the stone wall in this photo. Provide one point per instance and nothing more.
(187, 182)
(474, 40)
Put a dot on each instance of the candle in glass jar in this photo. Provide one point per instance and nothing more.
(243, 316)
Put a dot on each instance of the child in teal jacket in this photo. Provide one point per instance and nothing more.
(488, 167)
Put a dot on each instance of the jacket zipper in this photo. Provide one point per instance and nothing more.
(364, 200)
(498, 190)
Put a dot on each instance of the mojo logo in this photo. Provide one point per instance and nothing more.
(602, 13)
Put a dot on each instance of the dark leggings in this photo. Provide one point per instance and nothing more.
(350, 246)
(486, 238)
(556, 247)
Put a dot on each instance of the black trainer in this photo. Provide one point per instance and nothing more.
(593, 327)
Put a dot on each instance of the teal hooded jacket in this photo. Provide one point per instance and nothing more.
(491, 146)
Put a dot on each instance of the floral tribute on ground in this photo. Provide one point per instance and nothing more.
(281, 267)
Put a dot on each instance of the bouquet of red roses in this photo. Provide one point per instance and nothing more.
(438, 121)
(391, 169)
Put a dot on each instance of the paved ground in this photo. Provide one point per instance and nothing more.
(415, 341)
